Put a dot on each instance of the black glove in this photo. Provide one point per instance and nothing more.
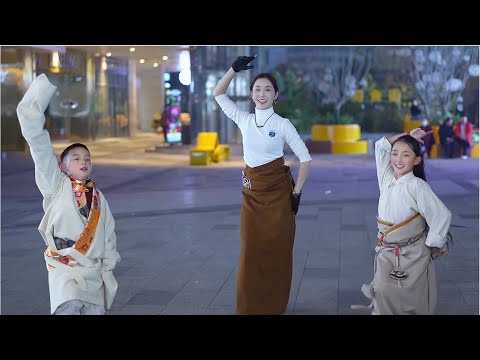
(242, 63)
(296, 202)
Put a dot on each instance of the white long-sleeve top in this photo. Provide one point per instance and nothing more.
(91, 278)
(263, 144)
(402, 198)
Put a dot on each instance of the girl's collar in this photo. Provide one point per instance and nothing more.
(405, 177)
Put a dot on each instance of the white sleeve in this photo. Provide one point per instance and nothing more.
(231, 110)
(295, 142)
(436, 214)
(110, 258)
(382, 160)
(30, 112)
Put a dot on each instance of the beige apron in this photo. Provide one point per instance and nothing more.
(404, 275)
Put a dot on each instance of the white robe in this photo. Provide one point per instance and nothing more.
(399, 200)
(402, 198)
(90, 278)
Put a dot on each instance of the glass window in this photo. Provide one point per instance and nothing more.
(110, 106)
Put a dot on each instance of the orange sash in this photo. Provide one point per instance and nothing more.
(86, 236)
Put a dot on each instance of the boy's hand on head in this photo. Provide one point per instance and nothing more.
(242, 63)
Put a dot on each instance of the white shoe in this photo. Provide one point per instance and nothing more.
(464, 157)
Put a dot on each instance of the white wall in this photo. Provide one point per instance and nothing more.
(150, 96)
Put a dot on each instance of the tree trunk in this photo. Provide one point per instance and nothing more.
(338, 107)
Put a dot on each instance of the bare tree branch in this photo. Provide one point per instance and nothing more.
(439, 75)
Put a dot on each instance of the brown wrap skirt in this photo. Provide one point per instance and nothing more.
(267, 231)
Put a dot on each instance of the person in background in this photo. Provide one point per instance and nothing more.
(428, 139)
(463, 135)
(158, 122)
(415, 111)
(447, 137)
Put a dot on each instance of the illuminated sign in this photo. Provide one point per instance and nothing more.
(174, 137)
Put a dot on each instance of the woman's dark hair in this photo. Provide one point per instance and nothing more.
(70, 147)
(265, 76)
(419, 169)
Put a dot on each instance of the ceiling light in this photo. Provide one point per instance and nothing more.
(55, 62)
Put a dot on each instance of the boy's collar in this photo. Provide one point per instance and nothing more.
(87, 180)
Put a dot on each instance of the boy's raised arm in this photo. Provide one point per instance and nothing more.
(31, 116)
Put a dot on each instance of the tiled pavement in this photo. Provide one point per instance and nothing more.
(178, 231)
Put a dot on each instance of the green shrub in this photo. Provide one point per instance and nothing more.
(382, 117)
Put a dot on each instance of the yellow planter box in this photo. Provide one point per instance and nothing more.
(350, 147)
(221, 152)
(217, 154)
(200, 157)
(436, 137)
(202, 154)
(344, 132)
(320, 132)
(475, 150)
(340, 132)
(434, 151)
(225, 148)
(410, 125)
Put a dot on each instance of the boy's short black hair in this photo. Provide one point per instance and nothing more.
(70, 147)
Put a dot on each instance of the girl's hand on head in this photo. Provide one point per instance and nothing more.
(418, 134)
